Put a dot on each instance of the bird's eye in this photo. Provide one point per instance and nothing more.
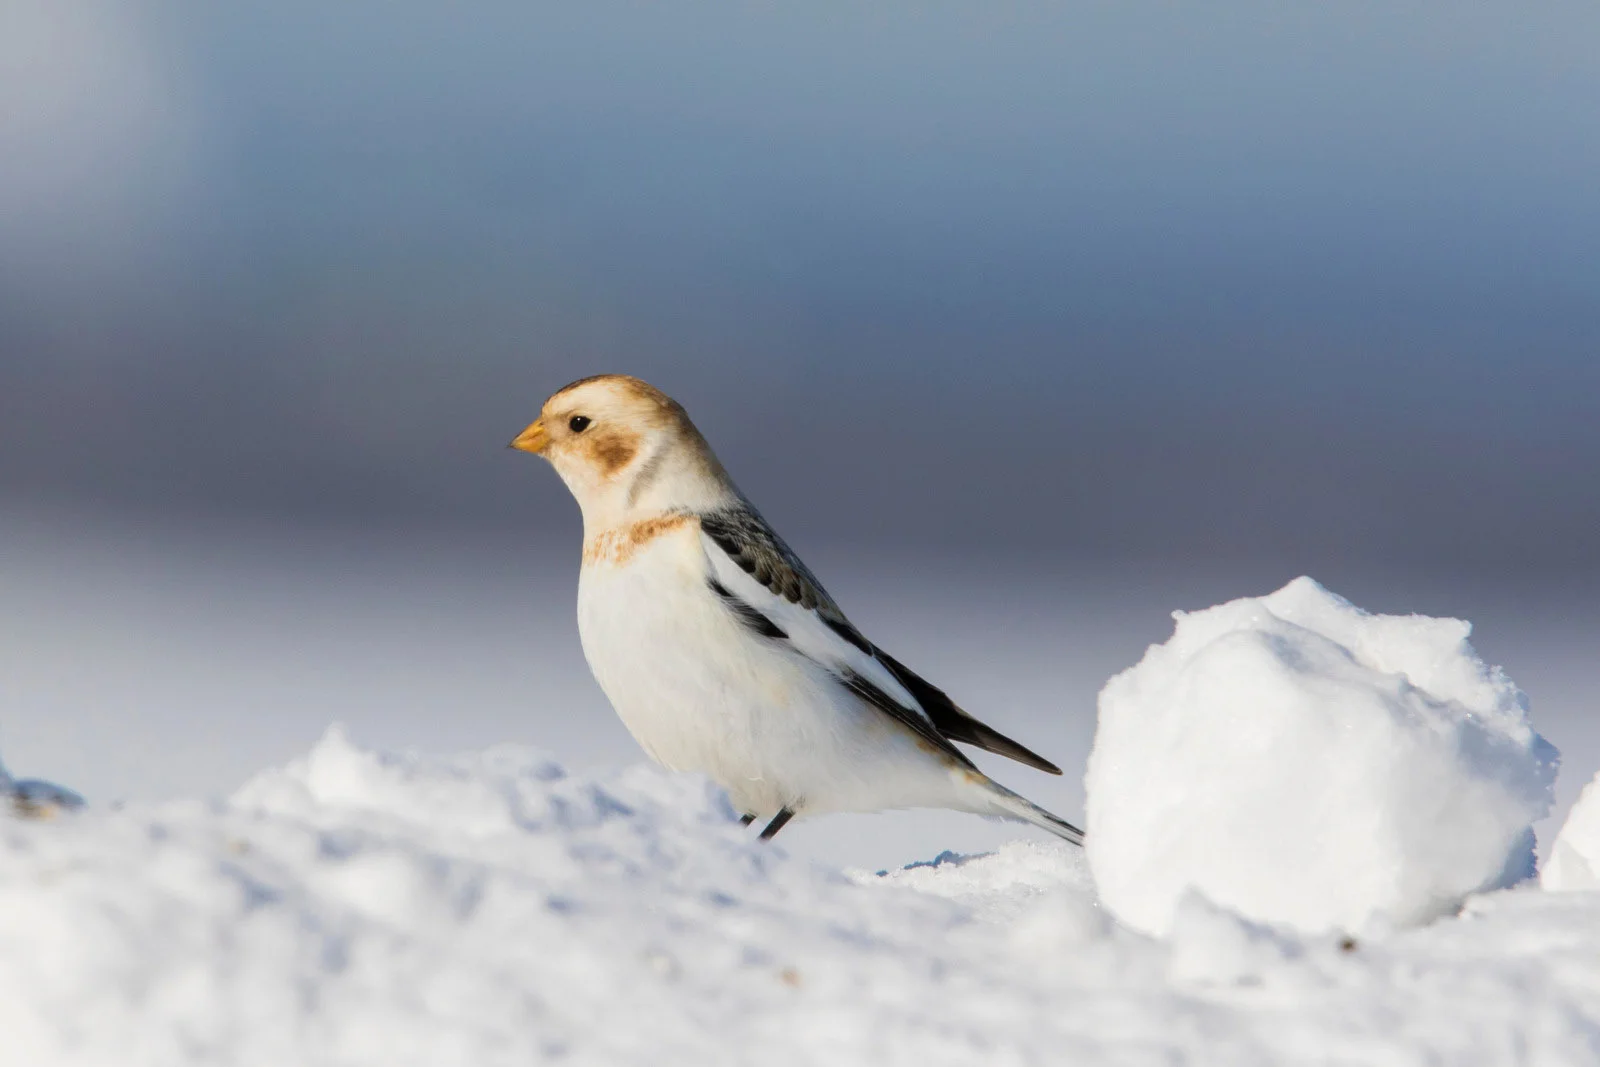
(578, 423)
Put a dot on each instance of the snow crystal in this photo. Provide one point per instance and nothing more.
(1302, 762)
(1574, 861)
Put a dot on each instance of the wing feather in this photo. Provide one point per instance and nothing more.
(956, 724)
(767, 586)
(763, 574)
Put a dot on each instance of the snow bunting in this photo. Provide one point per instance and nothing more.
(721, 651)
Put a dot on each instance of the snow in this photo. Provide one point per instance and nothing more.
(367, 907)
(1306, 764)
(356, 907)
(1574, 861)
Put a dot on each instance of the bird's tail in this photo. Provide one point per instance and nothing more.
(1008, 805)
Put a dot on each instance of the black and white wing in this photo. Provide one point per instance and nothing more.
(765, 584)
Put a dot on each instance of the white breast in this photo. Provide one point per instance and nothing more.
(701, 692)
(673, 661)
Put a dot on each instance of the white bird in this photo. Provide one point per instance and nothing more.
(720, 650)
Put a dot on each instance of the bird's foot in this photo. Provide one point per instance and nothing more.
(778, 822)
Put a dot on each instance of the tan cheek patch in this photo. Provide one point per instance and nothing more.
(611, 451)
(618, 546)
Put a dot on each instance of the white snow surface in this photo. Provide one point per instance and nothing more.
(1302, 762)
(1574, 861)
(361, 908)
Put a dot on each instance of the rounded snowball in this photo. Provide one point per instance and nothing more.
(1305, 763)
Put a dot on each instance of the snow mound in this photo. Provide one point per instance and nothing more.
(385, 910)
(1574, 861)
(1304, 763)
(363, 908)
(357, 908)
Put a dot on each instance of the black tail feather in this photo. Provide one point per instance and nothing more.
(956, 724)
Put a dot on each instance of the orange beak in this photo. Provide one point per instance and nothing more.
(533, 439)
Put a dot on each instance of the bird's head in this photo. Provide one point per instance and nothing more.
(625, 449)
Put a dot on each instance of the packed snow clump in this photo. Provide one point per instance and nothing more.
(1303, 763)
(1574, 860)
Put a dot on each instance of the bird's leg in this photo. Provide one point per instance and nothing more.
(777, 823)
(746, 820)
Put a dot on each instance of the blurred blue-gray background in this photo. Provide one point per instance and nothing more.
(1027, 323)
